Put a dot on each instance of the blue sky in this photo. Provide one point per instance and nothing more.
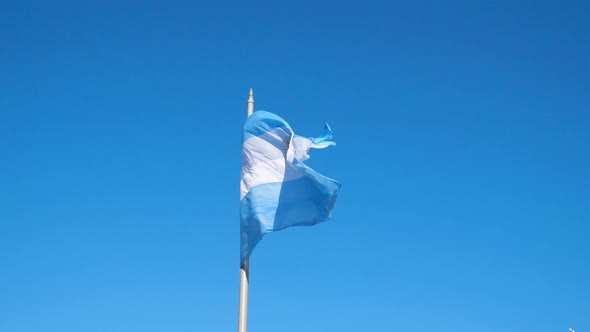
(462, 132)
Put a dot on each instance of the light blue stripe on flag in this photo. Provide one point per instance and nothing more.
(277, 189)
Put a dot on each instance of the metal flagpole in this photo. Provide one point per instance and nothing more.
(251, 103)
(245, 269)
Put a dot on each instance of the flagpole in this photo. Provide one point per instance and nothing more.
(245, 268)
(251, 103)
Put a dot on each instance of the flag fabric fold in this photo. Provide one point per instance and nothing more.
(277, 190)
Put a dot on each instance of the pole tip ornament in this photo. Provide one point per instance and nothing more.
(251, 102)
(251, 98)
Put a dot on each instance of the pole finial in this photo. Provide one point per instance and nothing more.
(251, 102)
(251, 97)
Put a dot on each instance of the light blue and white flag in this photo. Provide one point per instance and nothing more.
(277, 190)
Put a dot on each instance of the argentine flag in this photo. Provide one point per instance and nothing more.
(277, 190)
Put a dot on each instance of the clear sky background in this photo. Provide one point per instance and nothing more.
(463, 134)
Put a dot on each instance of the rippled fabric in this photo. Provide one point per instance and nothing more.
(277, 189)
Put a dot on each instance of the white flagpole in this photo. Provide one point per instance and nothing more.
(245, 269)
(251, 103)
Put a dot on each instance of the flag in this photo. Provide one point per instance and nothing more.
(277, 189)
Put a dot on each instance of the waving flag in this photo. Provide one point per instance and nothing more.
(277, 190)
